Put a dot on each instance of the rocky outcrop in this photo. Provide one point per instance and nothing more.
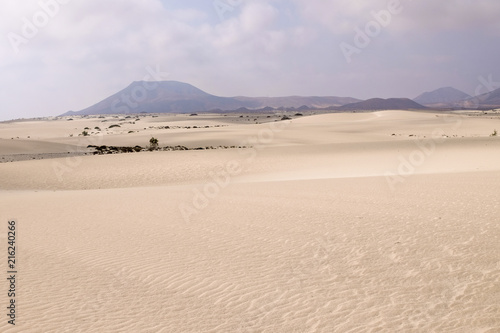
(102, 150)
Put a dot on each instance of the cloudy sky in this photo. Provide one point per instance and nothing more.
(60, 55)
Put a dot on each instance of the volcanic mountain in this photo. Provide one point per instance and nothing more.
(489, 100)
(384, 104)
(179, 97)
(159, 97)
(299, 101)
(442, 97)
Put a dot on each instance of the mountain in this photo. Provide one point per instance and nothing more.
(442, 97)
(453, 98)
(179, 97)
(490, 100)
(384, 104)
(298, 101)
(161, 96)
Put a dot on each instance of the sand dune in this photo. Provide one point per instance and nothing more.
(312, 229)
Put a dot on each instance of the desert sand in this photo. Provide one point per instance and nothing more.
(352, 222)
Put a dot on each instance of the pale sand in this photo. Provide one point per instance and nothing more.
(309, 236)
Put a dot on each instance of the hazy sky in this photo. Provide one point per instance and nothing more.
(60, 55)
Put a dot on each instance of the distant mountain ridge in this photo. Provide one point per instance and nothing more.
(488, 100)
(384, 104)
(449, 97)
(298, 101)
(441, 97)
(161, 97)
(179, 97)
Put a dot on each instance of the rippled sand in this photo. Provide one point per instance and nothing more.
(314, 229)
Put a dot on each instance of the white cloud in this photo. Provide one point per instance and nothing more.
(91, 49)
(340, 16)
(257, 17)
(453, 15)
